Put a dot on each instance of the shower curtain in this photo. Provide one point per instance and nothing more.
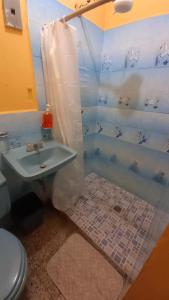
(62, 85)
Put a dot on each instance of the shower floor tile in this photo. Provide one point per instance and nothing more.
(116, 221)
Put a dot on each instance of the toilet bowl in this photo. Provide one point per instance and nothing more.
(13, 258)
(13, 266)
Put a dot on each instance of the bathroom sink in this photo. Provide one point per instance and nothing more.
(37, 164)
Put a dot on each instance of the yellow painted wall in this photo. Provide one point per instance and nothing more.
(142, 9)
(17, 83)
(105, 19)
(96, 16)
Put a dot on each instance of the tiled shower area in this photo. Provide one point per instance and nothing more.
(118, 223)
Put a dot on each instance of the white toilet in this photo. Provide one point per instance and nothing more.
(13, 258)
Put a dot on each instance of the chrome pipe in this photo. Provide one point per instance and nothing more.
(84, 10)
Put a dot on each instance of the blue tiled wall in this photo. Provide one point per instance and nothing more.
(22, 128)
(132, 137)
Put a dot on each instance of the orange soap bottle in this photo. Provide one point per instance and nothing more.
(47, 118)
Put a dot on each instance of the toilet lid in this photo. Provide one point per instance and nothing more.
(10, 262)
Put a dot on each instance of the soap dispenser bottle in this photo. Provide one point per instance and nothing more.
(47, 118)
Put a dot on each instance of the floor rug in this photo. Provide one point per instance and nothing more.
(82, 273)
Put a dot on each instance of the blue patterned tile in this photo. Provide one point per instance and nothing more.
(120, 233)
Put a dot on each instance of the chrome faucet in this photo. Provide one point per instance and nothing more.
(3, 134)
(38, 146)
(34, 147)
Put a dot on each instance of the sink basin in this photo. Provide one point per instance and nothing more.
(35, 165)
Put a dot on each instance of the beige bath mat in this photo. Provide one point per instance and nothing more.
(82, 273)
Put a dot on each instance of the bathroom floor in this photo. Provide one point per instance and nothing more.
(41, 245)
(115, 221)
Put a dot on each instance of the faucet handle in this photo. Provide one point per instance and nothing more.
(40, 144)
(29, 148)
(3, 134)
(35, 146)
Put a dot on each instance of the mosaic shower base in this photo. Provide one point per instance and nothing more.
(116, 221)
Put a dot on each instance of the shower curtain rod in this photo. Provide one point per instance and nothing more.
(84, 10)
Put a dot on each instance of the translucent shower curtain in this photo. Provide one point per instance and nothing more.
(62, 84)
